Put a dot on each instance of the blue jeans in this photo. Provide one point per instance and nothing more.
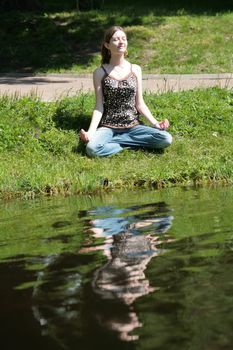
(108, 141)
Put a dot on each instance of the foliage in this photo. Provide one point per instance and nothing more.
(185, 37)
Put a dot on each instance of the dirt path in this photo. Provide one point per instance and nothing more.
(54, 86)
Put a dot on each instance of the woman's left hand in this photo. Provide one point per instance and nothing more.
(163, 125)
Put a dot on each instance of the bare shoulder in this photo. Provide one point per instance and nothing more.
(137, 71)
(98, 73)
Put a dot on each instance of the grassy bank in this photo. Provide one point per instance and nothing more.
(185, 37)
(40, 153)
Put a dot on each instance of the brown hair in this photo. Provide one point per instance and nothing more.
(105, 53)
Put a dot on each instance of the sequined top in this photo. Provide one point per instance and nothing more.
(119, 101)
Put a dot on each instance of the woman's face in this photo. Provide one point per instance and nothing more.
(118, 42)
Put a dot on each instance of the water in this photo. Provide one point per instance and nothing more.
(133, 270)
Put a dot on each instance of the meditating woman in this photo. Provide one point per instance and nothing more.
(115, 123)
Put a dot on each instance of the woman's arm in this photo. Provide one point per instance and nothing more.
(142, 107)
(98, 110)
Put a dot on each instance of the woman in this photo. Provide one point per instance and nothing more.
(115, 121)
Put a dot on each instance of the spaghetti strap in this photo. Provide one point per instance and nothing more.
(104, 70)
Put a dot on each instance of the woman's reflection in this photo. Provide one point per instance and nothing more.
(129, 250)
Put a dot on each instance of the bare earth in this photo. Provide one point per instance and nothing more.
(54, 86)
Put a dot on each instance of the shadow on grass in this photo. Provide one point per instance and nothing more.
(71, 117)
(40, 41)
(80, 148)
(73, 120)
(12, 79)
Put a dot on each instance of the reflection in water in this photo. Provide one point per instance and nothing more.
(128, 238)
(129, 251)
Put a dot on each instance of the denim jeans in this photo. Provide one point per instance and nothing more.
(108, 141)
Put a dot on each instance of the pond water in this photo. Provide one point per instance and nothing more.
(126, 270)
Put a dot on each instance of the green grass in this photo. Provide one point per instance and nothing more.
(163, 37)
(40, 153)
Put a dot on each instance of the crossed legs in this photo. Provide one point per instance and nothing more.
(108, 141)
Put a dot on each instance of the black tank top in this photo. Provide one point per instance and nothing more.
(119, 101)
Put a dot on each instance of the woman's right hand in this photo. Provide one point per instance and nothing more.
(84, 135)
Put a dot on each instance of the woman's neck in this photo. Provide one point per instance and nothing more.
(118, 61)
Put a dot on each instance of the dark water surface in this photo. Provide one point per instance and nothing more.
(133, 270)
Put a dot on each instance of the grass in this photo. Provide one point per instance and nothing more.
(40, 153)
(163, 37)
